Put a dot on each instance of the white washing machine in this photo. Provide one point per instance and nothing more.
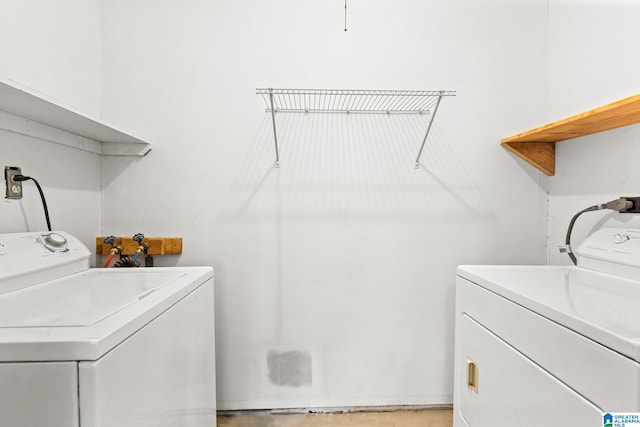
(550, 345)
(88, 347)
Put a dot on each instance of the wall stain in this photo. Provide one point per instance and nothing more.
(289, 368)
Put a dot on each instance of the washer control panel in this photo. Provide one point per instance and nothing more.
(24, 253)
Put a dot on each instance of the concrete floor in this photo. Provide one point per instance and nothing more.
(387, 418)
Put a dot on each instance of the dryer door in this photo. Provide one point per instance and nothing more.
(502, 388)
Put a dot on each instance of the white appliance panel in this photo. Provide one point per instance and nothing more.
(81, 299)
(39, 394)
(598, 305)
(152, 292)
(548, 337)
(514, 391)
(25, 260)
(169, 365)
(119, 347)
(611, 250)
(599, 373)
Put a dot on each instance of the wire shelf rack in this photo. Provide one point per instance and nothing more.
(352, 101)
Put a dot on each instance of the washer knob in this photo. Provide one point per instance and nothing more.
(620, 238)
(54, 242)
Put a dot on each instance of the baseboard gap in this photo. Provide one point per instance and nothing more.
(335, 410)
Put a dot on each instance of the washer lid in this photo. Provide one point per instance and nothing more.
(79, 300)
(600, 306)
(84, 315)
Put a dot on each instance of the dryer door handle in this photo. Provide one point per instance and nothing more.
(472, 375)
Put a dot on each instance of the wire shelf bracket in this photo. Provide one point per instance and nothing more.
(352, 102)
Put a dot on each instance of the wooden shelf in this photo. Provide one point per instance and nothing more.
(537, 146)
(24, 111)
(156, 245)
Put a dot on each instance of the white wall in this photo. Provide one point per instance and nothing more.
(53, 48)
(346, 254)
(592, 63)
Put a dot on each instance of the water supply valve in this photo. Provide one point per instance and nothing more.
(115, 249)
(128, 261)
(142, 245)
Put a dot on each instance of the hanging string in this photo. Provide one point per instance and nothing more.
(345, 15)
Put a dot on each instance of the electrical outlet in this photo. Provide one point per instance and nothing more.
(13, 189)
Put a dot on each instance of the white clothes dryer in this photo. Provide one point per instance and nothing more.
(550, 345)
(83, 347)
